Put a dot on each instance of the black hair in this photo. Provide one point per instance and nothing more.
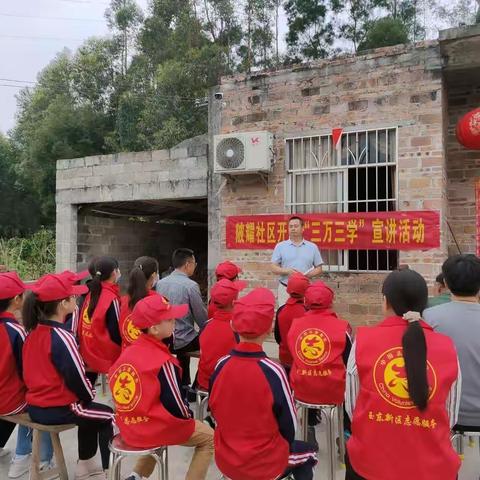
(181, 256)
(104, 267)
(143, 269)
(462, 274)
(295, 217)
(34, 311)
(440, 278)
(4, 304)
(91, 266)
(407, 291)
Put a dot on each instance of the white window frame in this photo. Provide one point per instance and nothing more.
(290, 183)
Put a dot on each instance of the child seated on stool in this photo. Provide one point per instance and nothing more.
(217, 337)
(145, 385)
(252, 403)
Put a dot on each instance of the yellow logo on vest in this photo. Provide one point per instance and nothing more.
(127, 389)
(130, 331)
(313, 346)
(86, 320)
(390, 378)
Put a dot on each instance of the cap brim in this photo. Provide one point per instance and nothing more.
(176, 311)
(240, 284)
(81, 275)
(79, 289)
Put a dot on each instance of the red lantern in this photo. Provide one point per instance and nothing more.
(468, 130)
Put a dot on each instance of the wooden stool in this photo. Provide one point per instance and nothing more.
(120, 450)
(54, 431)
(328, 412)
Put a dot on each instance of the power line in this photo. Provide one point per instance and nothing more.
(12, 86)
(51, 18)
(16, 81)
(43, 38)
(85, 2)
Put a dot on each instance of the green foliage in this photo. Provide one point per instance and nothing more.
(384, 32)
(31, 256)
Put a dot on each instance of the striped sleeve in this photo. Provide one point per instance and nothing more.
(352, 385)
(218, 367)
(283, 404)
(453, 399)
(67, 361)
(16, 334)
(112, 318)
(170, 392)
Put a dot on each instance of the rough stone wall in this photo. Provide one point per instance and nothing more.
(463, 168)
(178, 173)
(398, 86)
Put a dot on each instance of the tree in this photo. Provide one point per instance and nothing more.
(310, 30)
(384, 32)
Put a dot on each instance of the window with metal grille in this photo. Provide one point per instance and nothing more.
(357, 176)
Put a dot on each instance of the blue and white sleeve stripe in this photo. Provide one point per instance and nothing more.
(170, 392)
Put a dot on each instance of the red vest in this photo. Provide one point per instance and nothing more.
(45, 386)
(97, 348)
(317, 342)
(294, 308)
(391, 439)
(211, 309)
(12, 399)
(216, 340)
(128, 330)
(143, 421)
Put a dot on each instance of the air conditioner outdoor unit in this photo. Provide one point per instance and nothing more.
(242, 153)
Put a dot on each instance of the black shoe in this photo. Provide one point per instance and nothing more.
(311, 439)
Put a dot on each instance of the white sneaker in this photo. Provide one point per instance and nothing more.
(45, 467)
(87, 469)
(19, 465)
(4, 452)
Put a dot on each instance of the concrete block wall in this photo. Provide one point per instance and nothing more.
(397, 86)
(463, 168)
(178, 173)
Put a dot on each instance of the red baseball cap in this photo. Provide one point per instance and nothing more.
(297, 284)
(225, 291)
(319, 295)
(52, 287)
(227, 270)
(253, 313)
(11, 285)
(154, 309)
(73, 277)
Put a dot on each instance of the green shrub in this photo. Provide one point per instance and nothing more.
(30, 256)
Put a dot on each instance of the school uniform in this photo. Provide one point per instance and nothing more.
(253, 405)
(58, 391)
(72, 319)
(224, 270)
(391, 438)
(99, 335)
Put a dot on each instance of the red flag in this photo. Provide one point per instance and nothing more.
(336, 135)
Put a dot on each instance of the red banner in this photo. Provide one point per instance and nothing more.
(477, 213)
(340, 231)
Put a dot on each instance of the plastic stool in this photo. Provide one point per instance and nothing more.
(119, 450)
(201, 402)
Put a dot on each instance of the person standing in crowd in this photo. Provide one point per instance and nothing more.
(145, 385)
(12, 400)
(441, 292)
(217, 337)
(253, 405)
(179, 288)
(460, 320)
(227, 270)
(99, 334)
(403, 385)
(295, 255)
(141, 282)
(292, 309)
(58, 390)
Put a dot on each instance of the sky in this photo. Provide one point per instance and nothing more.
(32, 32)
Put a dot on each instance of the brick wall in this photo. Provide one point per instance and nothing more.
(463, 167)
(398, 86)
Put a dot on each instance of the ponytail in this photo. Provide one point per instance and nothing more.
(406, 293)
(34, 311)
(104, 267)
(143, 269)
(415, 356)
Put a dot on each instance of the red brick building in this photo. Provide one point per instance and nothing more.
(398, 108)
